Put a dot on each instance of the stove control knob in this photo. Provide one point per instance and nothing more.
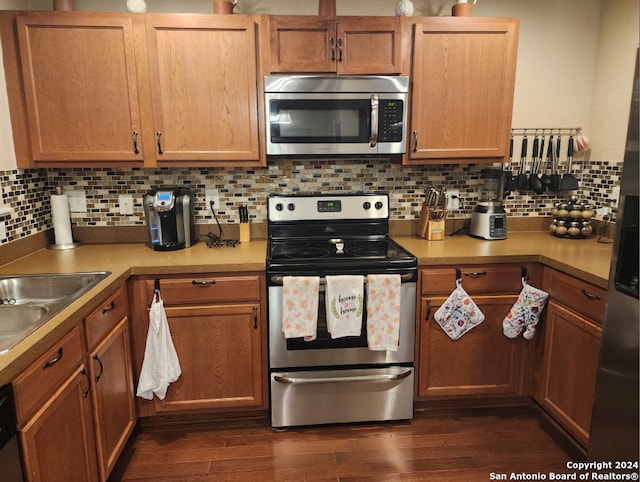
(279, 207)
(291, 206)
(366, 205)
(378, 205)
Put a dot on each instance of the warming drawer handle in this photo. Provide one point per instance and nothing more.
(277, 280)
(364, 378)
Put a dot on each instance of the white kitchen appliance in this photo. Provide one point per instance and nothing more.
(489, 220)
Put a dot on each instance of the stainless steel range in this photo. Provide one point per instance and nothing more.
(336, 380)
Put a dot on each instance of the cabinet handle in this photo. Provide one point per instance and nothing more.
(590, 296)
(415, 141)
(84, 372)
(159, 141)
(99, 375)
(203, 283)
(428, 315)
(109, 308)
(339, 50)
(47, 364)
(135, 143)
(255, 317)
(332, 42)
(475, 274)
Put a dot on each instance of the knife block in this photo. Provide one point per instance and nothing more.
(245, 232)
(429, 227)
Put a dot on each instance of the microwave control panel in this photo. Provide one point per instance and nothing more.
(390, 123)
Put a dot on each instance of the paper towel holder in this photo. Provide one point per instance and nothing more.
(62, 246)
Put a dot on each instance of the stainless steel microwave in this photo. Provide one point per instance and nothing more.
(311, 115)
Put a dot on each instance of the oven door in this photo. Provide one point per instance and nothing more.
(348, 351)
(335, 123)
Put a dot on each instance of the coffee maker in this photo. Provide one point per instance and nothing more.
(169, 212)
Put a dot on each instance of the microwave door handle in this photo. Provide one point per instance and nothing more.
(374, 121)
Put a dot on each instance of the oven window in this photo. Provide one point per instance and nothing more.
(323, 339)
(320, 121)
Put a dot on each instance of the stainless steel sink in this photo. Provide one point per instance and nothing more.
(28, 301)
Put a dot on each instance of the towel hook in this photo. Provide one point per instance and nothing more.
(156, 289)
(523, 274)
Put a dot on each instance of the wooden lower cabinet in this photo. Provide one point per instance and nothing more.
(569, 369)
(481, 362)
(217, 328)
(58, 441)
(112, 396)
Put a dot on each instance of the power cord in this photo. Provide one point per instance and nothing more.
(465, 225)
(214, 241)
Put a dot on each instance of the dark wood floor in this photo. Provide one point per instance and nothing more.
(441, 444)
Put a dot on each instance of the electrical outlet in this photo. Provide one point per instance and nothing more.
(602, 212)
(212, 195)
(77, 201)
(126, 204)
(3, 231)
(453, 204)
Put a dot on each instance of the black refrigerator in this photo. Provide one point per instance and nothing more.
(614, 423)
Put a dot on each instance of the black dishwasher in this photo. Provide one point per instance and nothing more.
(10, 465)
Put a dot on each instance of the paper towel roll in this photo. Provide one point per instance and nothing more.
(61, 219)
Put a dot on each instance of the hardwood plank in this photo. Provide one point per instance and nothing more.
(447, 445)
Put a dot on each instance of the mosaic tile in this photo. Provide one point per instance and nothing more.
(27, 191)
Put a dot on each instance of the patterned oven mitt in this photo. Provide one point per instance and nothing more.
(525, 313)
(459, 313)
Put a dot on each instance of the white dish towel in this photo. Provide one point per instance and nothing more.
(344, 301)
(383, 311)
(160, 366)
(300, 306)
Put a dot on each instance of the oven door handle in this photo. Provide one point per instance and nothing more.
(365, 378)
(277, 279)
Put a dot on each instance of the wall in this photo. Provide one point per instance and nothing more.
(586, 82)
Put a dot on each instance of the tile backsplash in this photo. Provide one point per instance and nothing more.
(27, 191)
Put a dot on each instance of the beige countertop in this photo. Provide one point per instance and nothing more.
(586, 259)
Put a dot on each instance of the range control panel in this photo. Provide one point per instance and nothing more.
(328, 207)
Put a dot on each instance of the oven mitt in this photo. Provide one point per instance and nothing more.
(459, 313)
(525, 313)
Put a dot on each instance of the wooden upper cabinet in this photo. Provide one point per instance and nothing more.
(347, 45)
(203, 78)
(80, 88)
(463, 75)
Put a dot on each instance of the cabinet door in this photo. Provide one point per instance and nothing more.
(570, 364)
(368, 45)
(80, 88)
(58, 441)
(481, 362)
(302, 44)
(204, 88)
(463, 82)
(219, 349)
(113, 400)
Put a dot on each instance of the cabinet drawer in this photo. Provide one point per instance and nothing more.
(577, 295)
(99, 323)
(206, 289)
(490, 279)
(36, 384)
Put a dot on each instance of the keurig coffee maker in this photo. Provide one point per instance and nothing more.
(169, 212)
